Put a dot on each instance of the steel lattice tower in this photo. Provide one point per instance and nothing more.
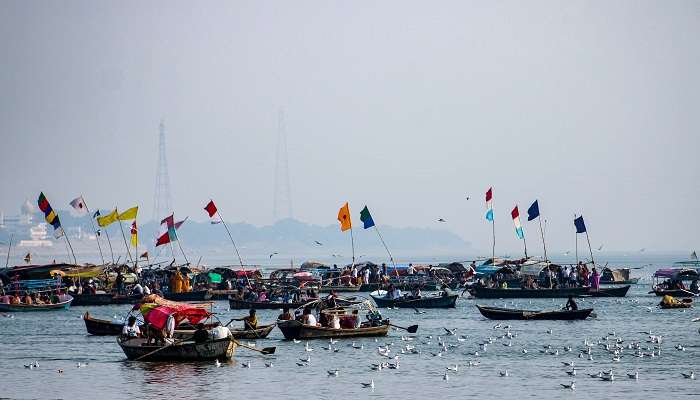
(162, 201)
(282, 207)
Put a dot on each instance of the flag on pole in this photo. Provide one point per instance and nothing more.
(96, 214)
(134, 234)
(107, 219)
(580, 225)
(366, 218)
(211, 208)
(179, 224)
(534, 211)
(28, 258)
(58, 233)
(167, 231)
(129, 214)
(344, 217)
(489, 205)
(49, 213)
(78, 205)
(694, 256)
(144, 255)
(516, 220)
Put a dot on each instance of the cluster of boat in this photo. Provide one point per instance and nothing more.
(300, 290)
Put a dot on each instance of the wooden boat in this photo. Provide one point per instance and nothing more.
(492, 293)
(187, 351)
(340, 288)
(199, 295)
(507, 313)
(422, 302)
(684, 303)
(609, 292)
(103, 327)
(674, 292)
(235, 304)
(63, 304)
(102, 299)
(294, 329)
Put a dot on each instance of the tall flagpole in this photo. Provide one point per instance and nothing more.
(386, 248)
(109, 242)
(576, 236)
(589, 247)
(65, 235)
(124, 236)
(493, 231)
(352, 243)
(180, 246)
(542, 233)
(9, 247)
(240, 260)
(92, 224)
(525, 244)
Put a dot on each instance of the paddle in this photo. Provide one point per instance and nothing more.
(266, 350)
(410, 329)
(164, 347)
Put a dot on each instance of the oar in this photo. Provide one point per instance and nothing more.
(410, 329)
(689, 292)
(266, 350)
(164, 347)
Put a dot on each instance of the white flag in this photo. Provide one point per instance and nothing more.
(57, 233)
(79, 205)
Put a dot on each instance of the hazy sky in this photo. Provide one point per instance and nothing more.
(591, 107)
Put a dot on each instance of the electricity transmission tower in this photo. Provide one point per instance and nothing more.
(282, 206)
(162, 201)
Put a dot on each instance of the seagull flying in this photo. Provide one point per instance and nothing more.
(441, 220)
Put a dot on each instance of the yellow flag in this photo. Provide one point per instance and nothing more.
(107, 219)
(129, 214)
(344, 217)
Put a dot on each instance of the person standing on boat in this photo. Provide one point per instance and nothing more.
(119, 281)
(411, 270)
(595, 279)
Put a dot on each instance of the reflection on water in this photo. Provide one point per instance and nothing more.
(58, 341)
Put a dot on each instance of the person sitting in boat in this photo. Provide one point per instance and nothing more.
(15, 299)
(334, 321)
(262, 296)
(249, 322)
(694, 286)
(137, 289)
(416, 294)
(186, 283)
(131, 329)
(668, 300)
(446, 291)
(37, 299)
(201, 335)
(286, 315)
(571, 304)
(308, 318)
(357, 322)
(27, 298)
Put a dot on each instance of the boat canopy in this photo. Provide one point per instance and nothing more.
(534, 269)
(488, 270)
(677, 273)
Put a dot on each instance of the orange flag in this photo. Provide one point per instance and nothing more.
(344, 217)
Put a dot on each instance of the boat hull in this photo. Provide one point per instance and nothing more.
(64, 304)
(491, 293)
(510, 314)
(423, 302)
(103, 299)
(101, 327)
(296, 330)
(221, 349)
(674, 293)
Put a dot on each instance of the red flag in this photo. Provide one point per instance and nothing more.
(163, 239)
(211, 208)
(169, 221)
(489, 195)
(515, 213)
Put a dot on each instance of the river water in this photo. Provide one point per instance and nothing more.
(57, 340)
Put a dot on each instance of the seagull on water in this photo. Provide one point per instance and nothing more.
(217, 363)
(333, 372)
(296, 341)
(572, 372)
(571, 386)
(246, 364)
(269, 365)
(445, 377)
(503, 373)
(691, 375)
(634, 376)
(306, 360)
(450, 331)
(369, 385)
(455, 368)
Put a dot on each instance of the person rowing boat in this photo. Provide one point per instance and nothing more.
(571, 304)
(249, 322)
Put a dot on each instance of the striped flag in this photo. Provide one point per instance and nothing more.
(489, 205)
(516, 221)
(50, 214)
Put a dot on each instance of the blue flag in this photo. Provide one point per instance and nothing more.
(534, 211)
(580, 225)
(366, 218)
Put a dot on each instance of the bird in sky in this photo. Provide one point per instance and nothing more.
(272, 254)
(467, 197)
(441, 220)
(600, 247)
(318, 243)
